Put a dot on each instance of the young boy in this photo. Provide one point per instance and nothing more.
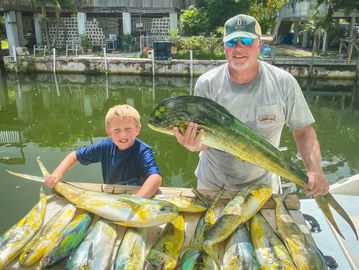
(124, 159)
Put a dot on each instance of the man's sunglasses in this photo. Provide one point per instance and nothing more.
(244, 40)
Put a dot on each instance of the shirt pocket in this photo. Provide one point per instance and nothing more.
(269, 117)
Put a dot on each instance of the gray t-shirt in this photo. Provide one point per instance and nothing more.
(272, 99)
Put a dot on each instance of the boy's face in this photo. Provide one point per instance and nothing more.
(123, 132)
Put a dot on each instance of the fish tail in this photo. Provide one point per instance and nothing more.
(324, 202)
(43, 169)
(27, 176)
(210, 202)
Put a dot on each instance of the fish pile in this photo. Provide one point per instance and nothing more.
(87, 241)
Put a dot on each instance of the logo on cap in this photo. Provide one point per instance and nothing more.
(239, 21)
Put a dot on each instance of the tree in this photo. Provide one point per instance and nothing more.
(266, 12)
(205, 16)
(193, 21)
(57, 5)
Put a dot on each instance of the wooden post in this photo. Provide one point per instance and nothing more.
(341, 46)
(350, 51)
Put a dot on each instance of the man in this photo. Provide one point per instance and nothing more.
(262, 96)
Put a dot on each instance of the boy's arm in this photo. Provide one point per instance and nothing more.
(150, 187)
(66, 164)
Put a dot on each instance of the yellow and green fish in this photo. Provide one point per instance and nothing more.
(166, 250)
(225, 132)
(304, 252)
(271, 252)
(47, 237)
(124, 210)
(71, 237)
(12, 241)
(131, 254)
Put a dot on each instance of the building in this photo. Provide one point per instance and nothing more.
(103, 22)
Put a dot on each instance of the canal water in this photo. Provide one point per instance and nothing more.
(48, 116)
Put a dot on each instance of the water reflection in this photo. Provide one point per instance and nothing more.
(62, 112)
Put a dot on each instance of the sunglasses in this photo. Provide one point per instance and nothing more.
(244, 40)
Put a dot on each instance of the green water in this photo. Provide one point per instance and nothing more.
(47, 116)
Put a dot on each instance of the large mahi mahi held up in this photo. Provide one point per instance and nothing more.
(225, 132)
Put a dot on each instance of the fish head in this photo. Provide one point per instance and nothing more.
(47, 261)
(160, 260)
(162, 211)
(30, 256)
(168, 114)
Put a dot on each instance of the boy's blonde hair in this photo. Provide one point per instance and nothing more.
(122, 111)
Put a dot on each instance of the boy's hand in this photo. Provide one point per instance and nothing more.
(52, 180)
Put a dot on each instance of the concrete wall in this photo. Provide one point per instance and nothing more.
(137, 66)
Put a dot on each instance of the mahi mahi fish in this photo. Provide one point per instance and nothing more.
(239, 253)
(12, 241)
(184, 204)
(121, 209)
(225, 132)
(244, 205)
(131, 254)
(271, 252)
(304, 252)
(71, 237)
(95, 252)
(197, 259)
(47, 237)
(166, 250)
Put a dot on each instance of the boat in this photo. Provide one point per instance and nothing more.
(55, 204)
(345, 252)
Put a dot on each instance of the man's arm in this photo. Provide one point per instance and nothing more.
(66, 164)
(191, 140)
(150, 187)
(309, 149)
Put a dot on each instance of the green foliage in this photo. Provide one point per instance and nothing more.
(2, 27)
(193, 21)
(127, 42)
(205, 16)
(333, 6)
(203, 47)
(266, 12)
(85, 42)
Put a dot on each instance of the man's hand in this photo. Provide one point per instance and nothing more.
(191, 139)
(317, 184)
(52, 180)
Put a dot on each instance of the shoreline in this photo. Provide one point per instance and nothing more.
(90, 64)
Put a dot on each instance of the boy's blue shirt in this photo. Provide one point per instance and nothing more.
(127, 167)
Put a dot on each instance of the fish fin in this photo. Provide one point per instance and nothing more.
(44, 171)
(197, 246)
(217, 197)
(328, 199)
(127, 200)
(90, 257)
(202, 197)
(210, 252)
(209, 202)
(323, 204)
(28, 176)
